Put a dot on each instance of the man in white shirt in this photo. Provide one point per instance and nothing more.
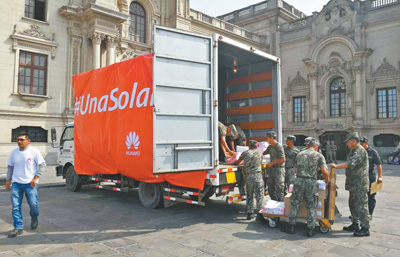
(25, 166)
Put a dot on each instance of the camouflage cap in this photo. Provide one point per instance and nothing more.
(363, 140)
(314, 141)
(271, 134)
(307, 140)
(234, 131)
(353, 135)
(291, 138)
(253, 144)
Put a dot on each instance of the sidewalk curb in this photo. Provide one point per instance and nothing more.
(51, 185)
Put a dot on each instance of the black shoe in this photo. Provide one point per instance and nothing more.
(310, 232)
(249, 216)
(352, 228)
(260, 217)
(362, 232)
(34, 223)
(15, 232)
(288, 229)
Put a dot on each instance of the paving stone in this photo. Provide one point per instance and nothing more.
(91, 249)
(392, 253)
(212, 248)
(347, 251)
(182, 252)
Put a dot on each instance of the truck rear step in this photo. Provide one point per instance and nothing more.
(168, 196)
(111, 188)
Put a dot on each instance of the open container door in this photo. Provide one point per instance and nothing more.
(183, 91)
(249, 92)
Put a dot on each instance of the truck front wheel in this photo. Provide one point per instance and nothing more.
(72, 180)
(150, 195)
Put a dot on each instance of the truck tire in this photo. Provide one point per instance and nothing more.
(150, 195)
(72, 180)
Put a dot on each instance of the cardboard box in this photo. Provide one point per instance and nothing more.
(287, 204)
(303, 212)
(322, 194)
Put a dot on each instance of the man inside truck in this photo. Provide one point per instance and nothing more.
(236, 137)
(224, 150)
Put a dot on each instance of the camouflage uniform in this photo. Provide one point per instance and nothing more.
(357, 183)
(308, 163)
(329, 153)
(254, 181)
(290, 157)
(276, 176)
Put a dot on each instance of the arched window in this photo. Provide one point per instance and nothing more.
(137, 26)
(338, 97)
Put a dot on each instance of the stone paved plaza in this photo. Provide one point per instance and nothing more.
(103, 223)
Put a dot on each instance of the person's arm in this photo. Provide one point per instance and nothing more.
(225, 147)
(10, 171)
(276, 162)
(380, 179)
(241, 158)
(325, 174)
(232, 145)
(339, 166)
(41, 168)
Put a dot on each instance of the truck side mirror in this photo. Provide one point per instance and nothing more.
(54, 142)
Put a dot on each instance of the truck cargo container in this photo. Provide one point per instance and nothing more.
(152, 122)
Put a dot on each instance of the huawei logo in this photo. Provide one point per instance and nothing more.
(132, 139)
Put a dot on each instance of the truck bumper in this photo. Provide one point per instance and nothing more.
(59, 170)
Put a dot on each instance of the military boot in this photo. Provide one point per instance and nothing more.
(288, 229)
(362, 232)
(260, 217)
(352, 228)
(310, 232)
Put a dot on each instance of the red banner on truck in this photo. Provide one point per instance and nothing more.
(113, 124)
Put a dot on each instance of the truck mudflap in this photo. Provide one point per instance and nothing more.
(59, 170)
(226, 175)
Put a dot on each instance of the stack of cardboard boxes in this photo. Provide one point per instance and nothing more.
(322, 194)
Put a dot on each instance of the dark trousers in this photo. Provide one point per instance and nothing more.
(371, 198)
(237, 141)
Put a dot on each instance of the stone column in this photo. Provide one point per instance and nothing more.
(96, 43)
(110, 50)
(358, 93)
(314, 96)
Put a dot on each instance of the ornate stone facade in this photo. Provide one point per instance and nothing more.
(353, 40)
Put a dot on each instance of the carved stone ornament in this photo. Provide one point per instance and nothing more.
(340, 30)
(386, 69)
(110, 41)
(96, 38)
(127, 54)
(298, 81)
(35, 31)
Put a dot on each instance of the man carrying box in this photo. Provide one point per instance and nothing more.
(307, 164)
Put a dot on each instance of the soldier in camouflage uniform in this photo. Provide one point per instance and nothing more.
(254, 181)
(276, 178)
(307, 163)
(357, 183)
(290, 156)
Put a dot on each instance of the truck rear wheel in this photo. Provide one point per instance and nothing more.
(72, 180)
(150, 195)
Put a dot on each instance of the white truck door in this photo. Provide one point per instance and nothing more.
(183, 94)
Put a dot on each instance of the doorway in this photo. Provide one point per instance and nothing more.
(338, 137)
